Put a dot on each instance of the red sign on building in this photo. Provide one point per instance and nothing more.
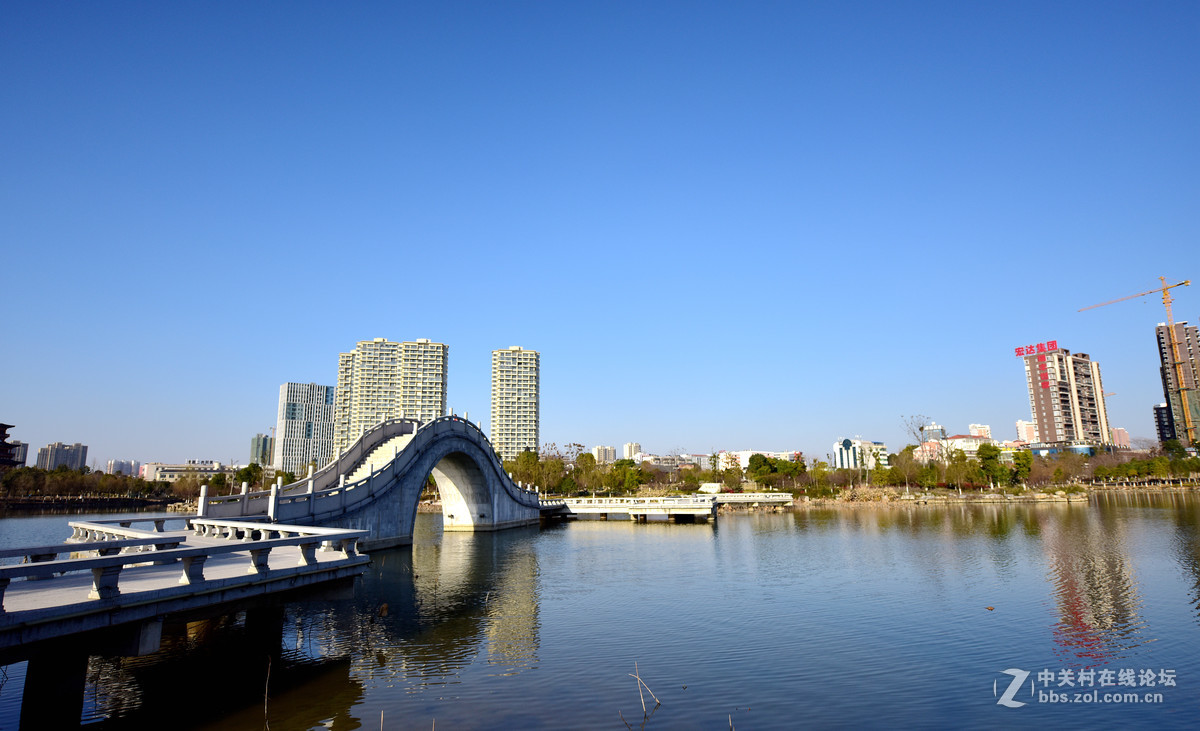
(1023, 350)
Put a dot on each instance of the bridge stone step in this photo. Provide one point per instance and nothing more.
(379, 456)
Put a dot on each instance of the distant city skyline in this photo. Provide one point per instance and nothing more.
(723, 226)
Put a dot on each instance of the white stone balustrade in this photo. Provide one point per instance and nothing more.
(255, 540)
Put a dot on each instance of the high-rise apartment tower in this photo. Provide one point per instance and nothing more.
(303, 427)
(515, 401)
(423, 374)
(52, 456)
(381, 380)
(262, 450)
(1066, 397)
(1164, 428)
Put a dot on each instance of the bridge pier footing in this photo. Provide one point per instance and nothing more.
(54, 684)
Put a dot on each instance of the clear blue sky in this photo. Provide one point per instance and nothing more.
(724, 225)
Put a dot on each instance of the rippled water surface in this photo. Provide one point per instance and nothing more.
(870, 617)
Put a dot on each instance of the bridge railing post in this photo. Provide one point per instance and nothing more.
(193, 569)
(202, 505)
(104, 583)
(273, 502)
(258, 561)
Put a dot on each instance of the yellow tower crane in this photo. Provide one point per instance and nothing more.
(1189, 426)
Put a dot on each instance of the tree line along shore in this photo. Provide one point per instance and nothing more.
(570, 471)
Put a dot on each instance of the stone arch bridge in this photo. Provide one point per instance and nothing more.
(376, 483)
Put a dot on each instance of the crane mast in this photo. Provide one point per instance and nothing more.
(1189, 425)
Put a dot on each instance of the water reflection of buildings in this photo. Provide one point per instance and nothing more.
(512, 629)
(1090, 575)
(1094, 588)
(422, 614)
(1186, 541)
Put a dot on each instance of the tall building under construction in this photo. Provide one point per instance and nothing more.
(1180, 375)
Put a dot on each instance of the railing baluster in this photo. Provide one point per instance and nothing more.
(258, 560)
(308, 553)
(193, 569)
(104, 583)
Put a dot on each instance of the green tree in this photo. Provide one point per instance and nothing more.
(956, 467)
(819, 473)
(550, 474)
(989, 463)
(251, 474)
(1022, 467)
(906, 465)
(526, 468)
(1174, 450)
(759, 468)
(1160, 467)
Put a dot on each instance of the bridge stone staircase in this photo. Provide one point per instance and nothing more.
(379, 456)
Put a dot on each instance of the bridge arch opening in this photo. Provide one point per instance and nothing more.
(464, 492)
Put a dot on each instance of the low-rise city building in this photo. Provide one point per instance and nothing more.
(123, 467)
(200, 468)
(968, 443)
(604, 455)
(933, 432)
(858, 454)
(741, 457)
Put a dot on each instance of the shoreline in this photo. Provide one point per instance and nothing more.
(877, 497)
(993, 498)
(79, 504)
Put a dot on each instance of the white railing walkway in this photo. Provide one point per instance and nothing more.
(216, 555)
(678, 507)
(754, 497)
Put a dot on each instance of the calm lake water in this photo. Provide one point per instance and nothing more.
(900, 616)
